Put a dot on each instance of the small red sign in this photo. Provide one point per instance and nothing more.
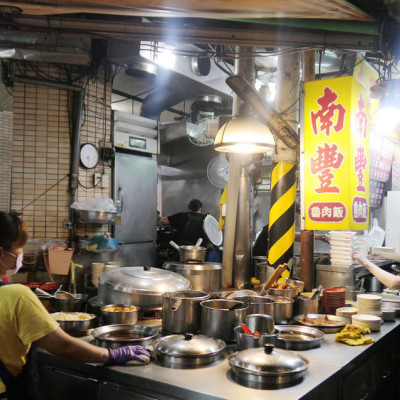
(327, 211)
(360, 209)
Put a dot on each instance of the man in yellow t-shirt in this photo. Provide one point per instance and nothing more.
(23, 320)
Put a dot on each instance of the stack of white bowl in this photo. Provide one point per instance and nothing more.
(346, 312)
(369, 304)
(372, 322)
(342, 243)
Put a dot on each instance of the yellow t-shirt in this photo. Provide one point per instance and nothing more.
(23, 320)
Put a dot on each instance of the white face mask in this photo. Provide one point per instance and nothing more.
(18, 263)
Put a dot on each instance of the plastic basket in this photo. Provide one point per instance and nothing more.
(60, 260)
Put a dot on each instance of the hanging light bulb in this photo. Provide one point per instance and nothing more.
(387, 116)
(244, 135)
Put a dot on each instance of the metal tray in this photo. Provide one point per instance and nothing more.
(294, 337)
(113, 336)
(337, 322)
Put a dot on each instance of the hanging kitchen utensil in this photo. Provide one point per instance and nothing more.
(275, 275)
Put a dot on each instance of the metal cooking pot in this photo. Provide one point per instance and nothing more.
(139, 286)
(206, 277)
(283, 309)
(190, 253)
(372, 284)
(187, 351)
(77, 304)
(259, 304)
(218, 321)
(305, 305)
(264, 368)
(113, 336)
(182, 311)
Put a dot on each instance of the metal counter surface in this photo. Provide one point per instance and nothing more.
(214, 381)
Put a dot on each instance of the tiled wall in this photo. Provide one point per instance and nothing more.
(6, 120)
(41, 150)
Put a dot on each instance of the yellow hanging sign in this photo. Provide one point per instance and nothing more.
(335, 169)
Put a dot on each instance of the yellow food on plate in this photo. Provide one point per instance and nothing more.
(120, 308)
(354, 335)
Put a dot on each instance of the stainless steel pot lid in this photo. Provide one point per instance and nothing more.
(144, 280)
(210, 227)
(189, 345)
(205, 266)
(268, 361)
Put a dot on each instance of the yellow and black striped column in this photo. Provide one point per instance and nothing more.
(281, 226)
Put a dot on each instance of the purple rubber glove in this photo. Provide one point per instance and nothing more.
(128, 353)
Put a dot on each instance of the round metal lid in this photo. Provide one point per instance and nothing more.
(144, 279)
(268, 361)
(189, 345)
(205, 266)
(210, 226)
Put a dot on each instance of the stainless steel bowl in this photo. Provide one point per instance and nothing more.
(293, 337)
(119, 317)
(79, 325)
(95, 217)
(113, 336)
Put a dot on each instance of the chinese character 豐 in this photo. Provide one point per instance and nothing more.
(360, 163)
(327, 158)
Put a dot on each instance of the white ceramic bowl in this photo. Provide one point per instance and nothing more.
(368, 321)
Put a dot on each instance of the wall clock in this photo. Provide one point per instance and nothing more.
(89, 155)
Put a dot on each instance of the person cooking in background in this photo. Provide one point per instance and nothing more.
(189, 224)
(390, 280)
(24, 320)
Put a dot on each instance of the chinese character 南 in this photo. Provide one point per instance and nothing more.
(360, 162)
(327, 158)
(361, 119)
(327, 113)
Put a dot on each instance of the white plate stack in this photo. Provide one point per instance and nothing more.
(369, 304)
(367, 321)
(342, 247)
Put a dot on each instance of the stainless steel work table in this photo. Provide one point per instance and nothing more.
(214, 381)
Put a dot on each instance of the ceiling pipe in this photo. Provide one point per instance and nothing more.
(161, 99)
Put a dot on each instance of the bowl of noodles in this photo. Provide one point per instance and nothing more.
(75, 321)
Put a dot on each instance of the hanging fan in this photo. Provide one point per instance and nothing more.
(218, 171)
(203, 132)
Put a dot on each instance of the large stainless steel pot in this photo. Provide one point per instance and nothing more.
(139, 286)
(265, 368)
(187, 351)
(218, 321)
(182, 311)
(206, 277)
